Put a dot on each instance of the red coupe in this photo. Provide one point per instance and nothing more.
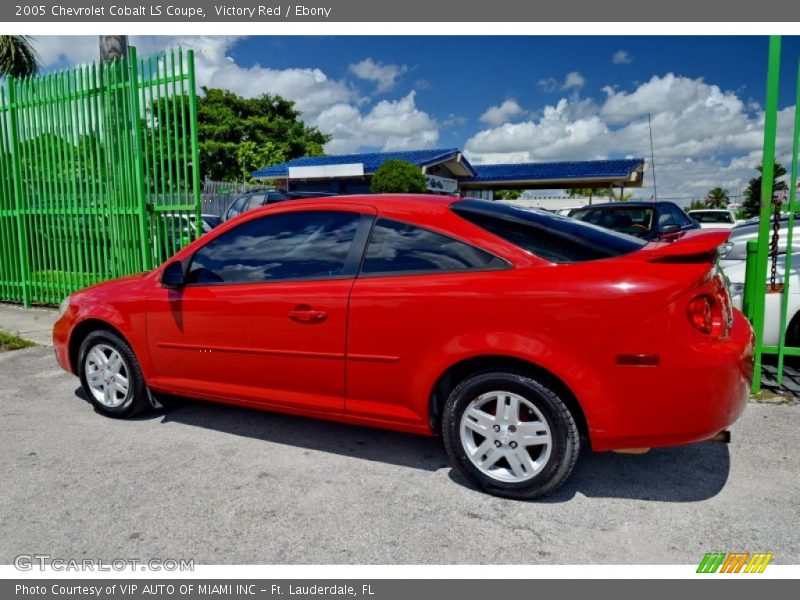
(515, 334)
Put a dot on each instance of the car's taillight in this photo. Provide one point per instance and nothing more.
(700, 314)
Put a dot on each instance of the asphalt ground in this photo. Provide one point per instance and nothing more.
(226, 485)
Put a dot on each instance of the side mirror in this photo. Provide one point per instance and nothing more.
(670, 232)
(172, 275)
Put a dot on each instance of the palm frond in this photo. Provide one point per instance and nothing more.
(18, 57)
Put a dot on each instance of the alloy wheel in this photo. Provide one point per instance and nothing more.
(107, 375)
(506, 436)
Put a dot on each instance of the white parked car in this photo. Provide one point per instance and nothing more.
(714, 218)
(734, 271)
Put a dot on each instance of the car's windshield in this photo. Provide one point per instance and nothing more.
(633, 220)
(236, 206)
(711, 216)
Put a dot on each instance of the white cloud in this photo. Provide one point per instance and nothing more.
(573, 81)
(621, 57)
(548, 84)
(703, 136)
(335, 106)
(391, 125)
(454, 120)
(73, 49)
(383, 75)
(497, 115)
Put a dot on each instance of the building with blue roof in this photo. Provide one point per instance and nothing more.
(449, 172)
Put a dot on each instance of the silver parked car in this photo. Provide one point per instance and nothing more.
(735, 249)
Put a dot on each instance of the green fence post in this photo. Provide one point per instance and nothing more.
(194, 140)
(19, 199)
(141, 192)
(749, 277)
(767, 174)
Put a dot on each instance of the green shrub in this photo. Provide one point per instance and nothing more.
(398, 177)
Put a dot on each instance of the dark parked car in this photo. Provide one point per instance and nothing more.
(252, 200)
(647, 220)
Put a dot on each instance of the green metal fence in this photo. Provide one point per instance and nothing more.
(97, 173)
(762, 255)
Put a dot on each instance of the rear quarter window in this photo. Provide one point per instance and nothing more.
(551, 237)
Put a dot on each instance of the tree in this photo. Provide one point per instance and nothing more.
(398, 176)
(598, 193)
(587, 192)
(240, 135)
(717, 198)
(507, 194)
(752, 195)
(697, 204)
(18, 58)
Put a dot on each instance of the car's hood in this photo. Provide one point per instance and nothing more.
(119, 281)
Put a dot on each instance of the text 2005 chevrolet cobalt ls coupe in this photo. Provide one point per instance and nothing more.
(515, 334)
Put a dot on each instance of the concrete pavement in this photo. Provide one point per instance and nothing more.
(34, 324)
(226, 485)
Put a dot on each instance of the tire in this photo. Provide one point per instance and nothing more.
(543, 430)
(106, 390)
(793, 331)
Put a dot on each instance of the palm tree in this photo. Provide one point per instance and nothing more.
(600, 193)
(717, 198)
(18, 58)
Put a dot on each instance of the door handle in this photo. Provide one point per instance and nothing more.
(303, 313)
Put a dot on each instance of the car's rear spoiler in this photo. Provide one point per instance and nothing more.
(694, 246)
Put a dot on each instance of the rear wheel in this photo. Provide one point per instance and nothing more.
(111, 376)
(510, 435)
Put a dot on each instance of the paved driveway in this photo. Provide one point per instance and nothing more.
(229, 485)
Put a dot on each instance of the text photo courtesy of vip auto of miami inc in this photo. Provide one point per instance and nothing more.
(349, 300)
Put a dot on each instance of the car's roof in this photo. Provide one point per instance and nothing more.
(720, 210)
(405, 202)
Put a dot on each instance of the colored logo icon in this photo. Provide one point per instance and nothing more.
(734, 562)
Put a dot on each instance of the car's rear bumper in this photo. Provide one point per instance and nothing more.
(697, 391)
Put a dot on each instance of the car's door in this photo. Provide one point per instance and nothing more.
(263, 314)
(415, 288)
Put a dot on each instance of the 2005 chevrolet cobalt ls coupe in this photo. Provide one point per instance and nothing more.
(514, 334)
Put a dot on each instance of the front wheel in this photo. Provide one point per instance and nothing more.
(510, 435)
(111, 376)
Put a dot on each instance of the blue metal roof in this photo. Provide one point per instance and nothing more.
(370, 160)
(586, 169)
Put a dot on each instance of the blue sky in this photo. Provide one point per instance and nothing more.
(513, 99)
(464, 75)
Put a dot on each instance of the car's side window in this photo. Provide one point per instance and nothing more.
(256, 201)
(665, 217)
(287, 246)
(680, 217)
(396, 248)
